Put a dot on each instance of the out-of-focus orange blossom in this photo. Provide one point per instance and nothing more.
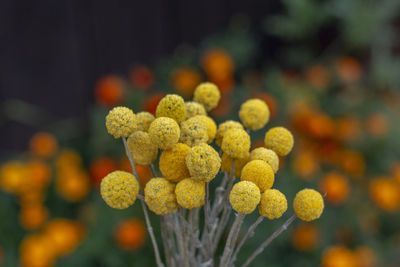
(130, 234)
(217, 63)
(151, 102)
(305, 237)
(348, 69)
(144, 172)
(225, 84)
(142, 77)
(100, 167)
(352, 162)
(13, 176)
(43, 144)
(366, 256)
(339, 256)
(39, 174)
(223, 109)
(37, 250)
(269, 100)
(318, 76)
(31, 196)
(336, 187)
(376, 124)
(33, 216)
(73, 184)
(321, 126)
(348, 128)
(385, 192)
(68, 158)
(109, 90)
(305, 164)
(184, 80)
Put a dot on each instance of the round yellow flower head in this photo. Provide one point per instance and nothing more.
(260, 173)
(194, 109)
(267, 155)
(159, 195)
(244, 197)
(172, 106)
(173, 163)
(308, 204)
(280, 140)
(236, 143)
(225, 126)
(254, 114)
(273, 204)
(190, 193)
(193, 131)
(120, 122)
(164, 132)
(143, 121)
(210, 125)
(119, 189)
(226, 164)
(142, 149)
(203, 162)
(207, 94)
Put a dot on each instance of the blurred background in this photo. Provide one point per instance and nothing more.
(328, 70)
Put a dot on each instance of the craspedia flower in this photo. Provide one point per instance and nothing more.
(244, 197)
(143, 120)
(164, 132)
(173, 162)
(211, 127)
(207, 94)
(194, 109)
(143, 150)
(172, 106)
(120, 122)
(226, 164)
(159, 195)
(267, 155)
(119, 189)
(203, 162)
(190, 193)
(193, 131)
(280, 140)
(273, 204)
(254, 114)
(236, 143)
(308, 205)
(223, 128)
(260, 173)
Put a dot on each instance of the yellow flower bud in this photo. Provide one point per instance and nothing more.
(120, 122)
(211, 127)
(164, 132)
(254, 114)
(159, 195)
(172, 106)
(190, 193)
(194, 109)
(308, 205)
(203, 162)
(143, 150)
(225, 126)
(280, 140)
(193, 131)
(226, 164)
(267, 155)
(260, 173)
(244, 197)
(143, 121)
(273, 204)
(207, 94)
(173, 163)
(236, 143)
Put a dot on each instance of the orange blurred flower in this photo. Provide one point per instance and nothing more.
(73, 184)
(225, 84)
(339, 256)
(366, 256)
(348, 128)
(305, 164)
(385, 193)
(13, 177)
(33, 216)
(39, 174)
(336, 187)
(109, 90)
(321, 126)
(37, 251)
(144, 172)
(43, 144)
(31, 196)
(348, 69)
(224, 107)
(100, 167)
(68, 159)
(142, 77)
(217, 63)
(130, 234)
(184, 80)
(151, 102)
(318, 76)
(270, 100)
(377, 124)
(305, 237)
(352, 162)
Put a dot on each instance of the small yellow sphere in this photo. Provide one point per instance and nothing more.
(236, 143)
(194, 109)
(267, 155)
(159, 195)
(226, 164)
(308, 205)
(254, 114)
(119, 189)
(193, 131)
(280, 140)
(120, 122)
(190, 193)
(273, 204)
(207, 94)
(143, 121)
(172, 106)
(164, 132)
(260, 173)
(143, 150)
(244, 197)
(225, 126)
(210, 125)
(203, 163)
(173, 163)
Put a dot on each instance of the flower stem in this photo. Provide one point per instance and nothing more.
(231, 241)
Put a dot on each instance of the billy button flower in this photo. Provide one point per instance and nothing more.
(211, 127)
(164, 132)
(260, 173)
(194, 131)
(273, 204)
(280, 140)
(203, 163)
(143, 121)
(119, 189)
(172, 106)
(254, 114)
(194, 109)
(190, 193)
(223, 128)
(120, 122)
(143, 150)
(172, 163)
(308, 205)
(207, 94)
(236, 143)
(267, 155)
(244, 197)
(226, 164)
(159, 195)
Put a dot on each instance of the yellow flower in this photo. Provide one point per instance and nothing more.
(267, 155)
(223, 128)
(159, 195)
(280, 140)
(207, 94)
(273, 204)
(260, 173)
(143, 121)
(173, 163)
(193, 131)
(194, 109)
(120, 122)
(226, 164)
(190, 193)
(203, 162)
(244, 197)
(143, 150)
(119, 189)
(210, 125)
(254, 114)
(236, 143)
(308, 205)
(164, 132)
(172, 106)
